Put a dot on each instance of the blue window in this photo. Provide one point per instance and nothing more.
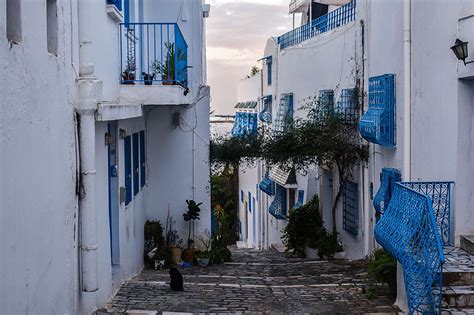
(377, 125)
(269, 70)
(284, 117)
(128, 169)
(299, 202)
(136, 166)
(116, 3)
(241, 196)
(350, 211)
(253, 202)
(266, 114)
(142, 158)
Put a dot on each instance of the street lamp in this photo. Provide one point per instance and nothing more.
(460, 49)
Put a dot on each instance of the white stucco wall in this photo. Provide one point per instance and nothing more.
(171, 167)
(38, 213)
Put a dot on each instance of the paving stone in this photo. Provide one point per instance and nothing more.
(259, 283)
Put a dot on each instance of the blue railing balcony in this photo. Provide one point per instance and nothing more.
(327, 22)
(153, 53)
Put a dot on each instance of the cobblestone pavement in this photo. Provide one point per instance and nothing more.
(259, 282)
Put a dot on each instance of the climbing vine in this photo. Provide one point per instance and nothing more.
(325, 137)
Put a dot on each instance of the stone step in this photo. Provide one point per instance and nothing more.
(467, 243)
(458, 278)
(459, 296)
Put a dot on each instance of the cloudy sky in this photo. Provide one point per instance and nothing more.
(237, 32)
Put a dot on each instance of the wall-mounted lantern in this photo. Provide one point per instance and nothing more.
(122, 133)
(460, 49)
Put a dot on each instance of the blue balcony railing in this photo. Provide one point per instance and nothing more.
(153, 53)
(327, 22)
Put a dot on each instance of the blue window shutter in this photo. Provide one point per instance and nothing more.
(128, 169)
(350, 210)
(241, 196)
(142, 158)
(136, 185)
(269, 70)
(116, 3)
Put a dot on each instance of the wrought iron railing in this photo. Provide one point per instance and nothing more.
(440, 196)
(153, 53)
(327, 22)
(408, 231)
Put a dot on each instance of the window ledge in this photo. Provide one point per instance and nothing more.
(114, 13)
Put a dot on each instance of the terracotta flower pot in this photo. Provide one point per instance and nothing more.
(188, 255)
(168, 79)
(176, 253)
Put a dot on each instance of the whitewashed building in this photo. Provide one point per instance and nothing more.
(416, 116)
(91, 147)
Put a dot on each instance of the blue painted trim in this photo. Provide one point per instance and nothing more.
(136, 165)
(142, 159)
(250, 202)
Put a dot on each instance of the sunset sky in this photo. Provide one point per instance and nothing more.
(237, 32)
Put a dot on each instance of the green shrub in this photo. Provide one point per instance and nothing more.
(383, 268)
(220, 255)
(328, 245)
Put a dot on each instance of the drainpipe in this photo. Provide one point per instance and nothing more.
(401, 301)
(89, 92)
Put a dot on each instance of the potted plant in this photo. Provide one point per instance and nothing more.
(202, 258)
(190, 216)
(148, 78)
(203, 255)
(128, 75)
(173, 242)
(167, 68)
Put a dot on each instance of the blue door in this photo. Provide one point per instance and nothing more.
(136, 166)
(128, 169)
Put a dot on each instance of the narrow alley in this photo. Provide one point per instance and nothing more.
(259, 282)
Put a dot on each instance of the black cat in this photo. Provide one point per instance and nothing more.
(176, 283)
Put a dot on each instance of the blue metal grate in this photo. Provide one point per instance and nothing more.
(408, 231)
(284, 118)
(267, 186)
(327, 22)
(266, 114)
(440, 197)
(388, 178)
(278, 206)
(347, 107)
(244, 124)
(300, 200)
(377, 125)
(350, 208)
(325, 105)
(157, 49)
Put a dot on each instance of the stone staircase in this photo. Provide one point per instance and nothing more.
(458, 277)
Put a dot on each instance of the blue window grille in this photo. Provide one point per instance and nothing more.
(241, 196)
(136, 165)
(245, 124)
(142, 159)
(116, 3)
(266, 114)
(347, 107)
(250, 201)
(439, 194)
(128, 169)
(324, 23)
(267, 186)
(284, 118)
(300, 201)
(350, 208)
(325, 104)
(269, 70)
(153, 53)
(408, 231)
(278, 206)
(388, 178)
(377, 125)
